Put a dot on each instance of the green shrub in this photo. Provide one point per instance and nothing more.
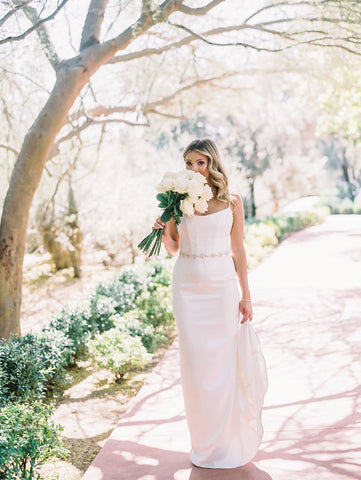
(52, 351)
(102, 308)
(261, 236)
(73, 321)
(123, 290)
(262, 233)
(155, 307)
(27, 439)
(134, 323)
(31, 364)
(158, 274)
(118, 352)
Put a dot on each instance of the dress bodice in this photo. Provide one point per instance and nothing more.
(206, 235)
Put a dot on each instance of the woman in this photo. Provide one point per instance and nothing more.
(223, 371)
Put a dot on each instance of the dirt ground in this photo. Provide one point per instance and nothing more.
(93, 404)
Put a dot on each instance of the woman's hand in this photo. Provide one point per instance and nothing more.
(158, 224)
(170, 237)
(245, 309)
(165, 226)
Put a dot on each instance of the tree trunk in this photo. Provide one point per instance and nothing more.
(72, 75)
(252, 198)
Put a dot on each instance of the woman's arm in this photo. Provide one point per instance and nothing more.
(239, 258)
(170, 235)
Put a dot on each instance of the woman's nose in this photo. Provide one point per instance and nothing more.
(195, 168)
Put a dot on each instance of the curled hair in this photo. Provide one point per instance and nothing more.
(217, 173)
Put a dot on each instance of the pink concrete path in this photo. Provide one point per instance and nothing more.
(307, 309)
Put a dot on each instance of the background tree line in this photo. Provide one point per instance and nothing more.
(99, 100)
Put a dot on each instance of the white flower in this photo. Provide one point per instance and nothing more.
(167, 183)
(192, 198)
(198, 176)
(207, 193)
(180, 183)
(201, 205)
(195, 187)
(187, 207)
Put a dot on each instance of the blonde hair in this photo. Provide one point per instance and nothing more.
(217, 173)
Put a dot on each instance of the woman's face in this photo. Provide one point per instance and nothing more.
(197, 162)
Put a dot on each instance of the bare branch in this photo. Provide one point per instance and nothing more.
(48, 47)
(146, 108)
(168, 115)
(11, 12)
(147, 19)
(285, 35)
(93, 23)
(151, 51)
(201, 10)
(34, 27)
(90, 122)
(231, 28)
(10, 149)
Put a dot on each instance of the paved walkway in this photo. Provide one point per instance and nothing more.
(307, 309)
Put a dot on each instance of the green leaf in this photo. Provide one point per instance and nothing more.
(166, 216)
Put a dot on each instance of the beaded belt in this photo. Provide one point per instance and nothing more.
(205, 255)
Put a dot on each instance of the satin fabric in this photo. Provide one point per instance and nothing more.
(223, 371)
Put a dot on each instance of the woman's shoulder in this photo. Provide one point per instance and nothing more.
(236, 201)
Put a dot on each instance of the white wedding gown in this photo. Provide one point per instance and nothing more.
(223, 371)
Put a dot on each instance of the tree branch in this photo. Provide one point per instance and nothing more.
(284, 35)
(10, 149)
(93, 23)
(45, 41)
(231, 28)
(147, 19)
(200, 10)
(90, 122)
(34, 27)
(146, 108)
(11, 12)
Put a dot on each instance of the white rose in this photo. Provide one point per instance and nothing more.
(187, 207)
(167, 183)
(198, 176)
(207, 193)
(192, 198)
(181, 183)
(195, 187)
(201, 205)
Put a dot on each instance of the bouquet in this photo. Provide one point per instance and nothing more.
(179, 193)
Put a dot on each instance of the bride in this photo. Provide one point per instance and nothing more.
(223, 371)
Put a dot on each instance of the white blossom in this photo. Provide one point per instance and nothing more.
(207, 193)
(187, 207)
(167, 182)
(195, 187)
(201, 205)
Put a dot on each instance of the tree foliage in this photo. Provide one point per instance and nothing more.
(134, 42)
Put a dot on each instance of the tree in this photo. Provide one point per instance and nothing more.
(275, 26)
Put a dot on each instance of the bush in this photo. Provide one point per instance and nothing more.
(261, 237)
(124, 289)
(134, 323)
(343, 207)
(102, 308)
(156, 307)
(118, 352)
(73, 322)
(158, 274)
(31, 364)
(27, 439)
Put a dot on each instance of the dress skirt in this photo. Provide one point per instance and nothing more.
(223, 371)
